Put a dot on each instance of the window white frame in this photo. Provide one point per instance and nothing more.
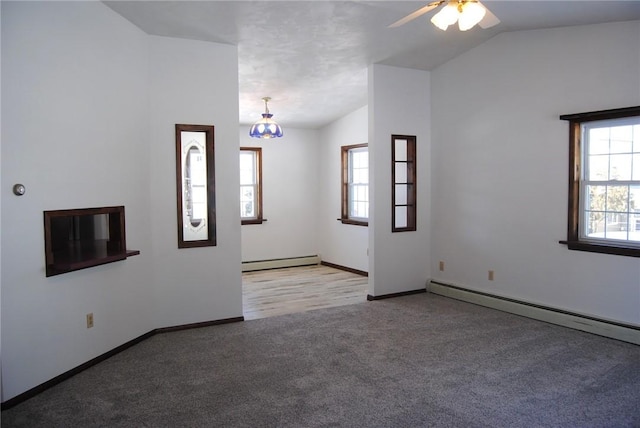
(251, 185)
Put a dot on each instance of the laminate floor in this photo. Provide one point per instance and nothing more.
(274, 292)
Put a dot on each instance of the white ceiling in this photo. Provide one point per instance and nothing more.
(311, 57)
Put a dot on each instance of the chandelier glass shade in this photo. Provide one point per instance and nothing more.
(266, 127)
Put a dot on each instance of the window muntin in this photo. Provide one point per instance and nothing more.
(355, 184)
(251, 185)
(604, 181)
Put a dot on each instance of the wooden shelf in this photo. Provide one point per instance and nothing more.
(82, 238)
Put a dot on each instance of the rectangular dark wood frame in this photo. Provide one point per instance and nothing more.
(84, 255)
(344, 189)
(211, 194)
(573, 241)
(411, 181)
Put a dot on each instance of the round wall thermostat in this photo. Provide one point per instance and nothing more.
(19, 189)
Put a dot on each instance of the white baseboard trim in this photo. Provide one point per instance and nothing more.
(576, 321)
(280, 263)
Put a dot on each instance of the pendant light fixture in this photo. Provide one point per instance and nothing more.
(266, 127)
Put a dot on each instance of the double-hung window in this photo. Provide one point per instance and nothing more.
(355, 184)
(604, 181)
(251, 185)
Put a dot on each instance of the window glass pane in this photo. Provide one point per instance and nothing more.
(598, 141)
(621, 139)
(617, 198)
(351, 161)
(401, 172)
(615, 226)
(247, 201)
(362, 210)
(364, 158)
(247, 209)
(401, 194)
(362, 193)
(246, 160)
(634, 215)
(634, 199)
(359, 209)
(247, 177)
(359, 158)
(596, 198)
(360, 176)
(246, 193)
(599, 168)
(635, 175)
(620, 167)
(401, 150)
(247, 168)
(401, 217)
(595, 224)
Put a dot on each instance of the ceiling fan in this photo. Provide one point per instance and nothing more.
(466, 12)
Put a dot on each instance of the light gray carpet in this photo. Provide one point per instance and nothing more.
(413, 361)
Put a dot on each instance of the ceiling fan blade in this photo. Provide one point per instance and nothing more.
(418, 13)
(489, 19)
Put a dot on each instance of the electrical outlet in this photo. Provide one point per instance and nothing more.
(441, 266)
(90, 320)
(490, 275)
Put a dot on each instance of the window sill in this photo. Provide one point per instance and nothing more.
(253, 221)
(619, 250)
(353, 222)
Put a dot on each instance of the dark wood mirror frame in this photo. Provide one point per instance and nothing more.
(195, 186)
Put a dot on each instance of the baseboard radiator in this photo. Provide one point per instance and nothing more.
(280, 263)
(614, 330)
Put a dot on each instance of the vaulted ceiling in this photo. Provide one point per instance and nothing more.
(311, 57)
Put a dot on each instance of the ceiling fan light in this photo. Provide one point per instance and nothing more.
(448, 15)
(472, 13)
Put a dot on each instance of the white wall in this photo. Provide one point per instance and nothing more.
(398, 104)
(500, 158)
(341, 244)
(194, 82)
(88, 108)
(73, 132)
(290, 197)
